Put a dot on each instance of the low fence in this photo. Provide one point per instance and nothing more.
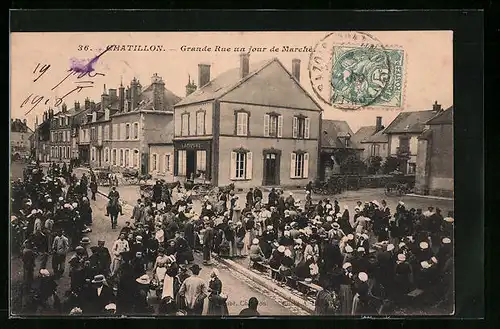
(355, 182)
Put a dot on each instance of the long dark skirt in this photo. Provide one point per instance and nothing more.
(217, 306)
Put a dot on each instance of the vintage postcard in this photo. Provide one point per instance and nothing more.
(232, 174)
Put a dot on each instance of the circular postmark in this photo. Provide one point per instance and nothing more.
(350, 70)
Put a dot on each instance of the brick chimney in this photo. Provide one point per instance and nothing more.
(77, 106)
(244, 64)
(378, 125)
(158, 92)
(64, 108)
(296, 68)
(87, 103)
(436, 107)
(104, 99)
(203, 74)
(112, 95)
(134, 93)
(191, 86)
(121, 97)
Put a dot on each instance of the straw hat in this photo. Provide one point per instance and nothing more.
(363, 277)
(446, 240)
(288, 253)
(390, 247)
(402, 244)
(346, 265)
(361, 249)
(143, 279)
(350, 236)
(110, 307)
(281, 249)
(255, 241)
(85, 240)
(449, 219)
(99, 279)
(348, 248)
(424, 245)
(44, 272)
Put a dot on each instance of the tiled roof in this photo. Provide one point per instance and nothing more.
(410, 122)
(445, 117)
(332, 131)
(146, 99)
(222, 83)
(379, 137)
(363, 133)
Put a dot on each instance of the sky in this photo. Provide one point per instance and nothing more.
(46, 58)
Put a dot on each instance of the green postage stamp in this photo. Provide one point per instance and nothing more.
(351, 70)
(367, 77)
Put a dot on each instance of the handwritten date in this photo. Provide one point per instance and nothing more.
(79, 69)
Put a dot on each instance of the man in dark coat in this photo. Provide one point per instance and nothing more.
(157, 189)
(98, 295)
(93, 189)
(272, 198)
(257, 193)
(208, 240)
(104, 257)
(249, 198)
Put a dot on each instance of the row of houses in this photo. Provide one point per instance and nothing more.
(254, 125)
(21, 138)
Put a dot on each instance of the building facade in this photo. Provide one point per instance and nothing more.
(403, 133)
(252, 126)
(118, 133)
(20, 139)
(41, 138)
(373, 140)
(434, 174)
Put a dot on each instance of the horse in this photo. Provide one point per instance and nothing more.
(113, 209)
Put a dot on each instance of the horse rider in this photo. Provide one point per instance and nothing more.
(114, 196)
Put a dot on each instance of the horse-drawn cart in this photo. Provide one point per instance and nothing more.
(103, 177)
(400, 184)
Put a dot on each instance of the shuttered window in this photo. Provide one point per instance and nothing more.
(299, 165)
(241, 165)
(181, 163)
(273, 125)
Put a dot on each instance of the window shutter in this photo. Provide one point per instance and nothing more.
(184, 163)
(233, 165)
(293, 158)
(249, 166)
(266, 125)
(306, 128)
(280, 126)
(245, 124)
(295, 127)
(306, 165)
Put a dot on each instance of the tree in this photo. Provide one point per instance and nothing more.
(390, 164)
(374, 164)
(351, 164)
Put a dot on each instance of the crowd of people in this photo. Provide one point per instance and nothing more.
(359, 259)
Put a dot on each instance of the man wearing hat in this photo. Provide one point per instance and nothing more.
(104, 258)
(193, 292)
(85, 243)
(208, 240)
(97, 296)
